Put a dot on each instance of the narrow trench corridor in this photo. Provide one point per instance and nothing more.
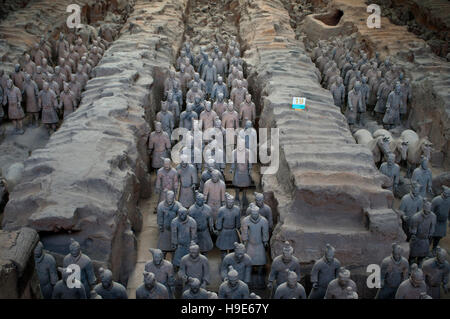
(222, 24)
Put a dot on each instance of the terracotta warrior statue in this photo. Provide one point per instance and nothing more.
(87, 276)
(166, 211)
(207, 116)
(219, 87)
(194, 265)
(255, 235)
(240, 261)
(184, 232)
(337, 288)
(393, 105)
(18, 77)
(436, 271)
(13, 98)
(162, 269)
(64, 289)
(220, 106)
(187, 117)
(166, 179)
(391, 170)
(422, 175)
(211, 165)
(338, 91)
(230, 118)
(241, 168)
(291, 289)
(209, 75)
(354, 104)
(264, 209)
(109, 289)
(29, 66)
(394, 270)
(325, 270)
(410, 204)
(247, 110)
(195, 291)
(233, 287)
(46, 270)
(221, 65)
(214, 191)
(280, 265)
(422, 227)
(187, 175)
(151, 288)
(166, 118)
(227, 224)
(414, 287)
(440, 207)
(48, 103)
(31, 94)
(237, 95)
(68, 102)
(201, 213)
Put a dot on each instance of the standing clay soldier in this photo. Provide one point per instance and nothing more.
(440, 207)
(264, 209)
(325, 270)
(46, 270)
(184, 231)
(382, 95)
(220, 106)
(414, 287)
(195, 290)
(291, 289)
(406, 97)
(422, 175)
(29, 66)
(394, 270)
(62, 289)
(237, 95)
(421, 228)
(187, 116)
(436, 271)
(338, 91)
(109, 289)
(354, 104)
(162, 269)
(169, 82)
(221, 65)
(232, 287)
(207, 174)
(87, 276)
(209, 75)
(67, 100)
(337, 288)
(62, 47)
(18, 77)
(410, 204)
(207, 117)
(391, 170)
(166, 118)
(255, 235)
(230, 118)
(166, 211)
(227, 224)
(247, 110)
(393, 105)
(48, 103)
(187, 175)
(151, 288)
(214, 191)
(201, 213)
(194, 265)
(240, 261)
(60, 78)
(365, 91)
(13, 97)
(31, 95)
(280, 265)
(241, 168)
(158, 146)
(219, 87)
(39, 77)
